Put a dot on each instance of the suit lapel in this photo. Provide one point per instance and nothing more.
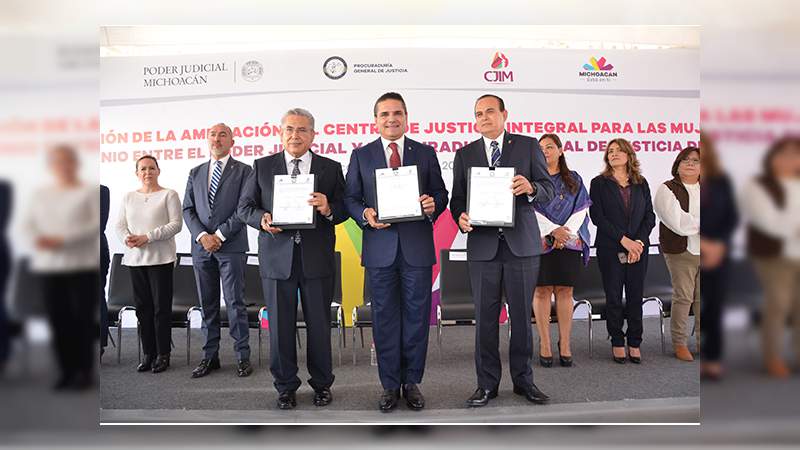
(505, 156)
(481, 156)
(409, 153)
(636, 197)
(616, 192)
(279, 165)
(201, 179)
(378, 155)
(230, 167)
(316, 169)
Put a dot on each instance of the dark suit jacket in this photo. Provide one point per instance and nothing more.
(223, 216)
(318, 244)
(524, 154)
(379, 247)
(608, 213)
(105, 202)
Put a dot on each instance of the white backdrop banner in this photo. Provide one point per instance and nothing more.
(163, 105)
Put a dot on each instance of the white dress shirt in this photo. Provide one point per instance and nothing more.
(388, 152)
(682, 223)
(305, 162)
(487, 143)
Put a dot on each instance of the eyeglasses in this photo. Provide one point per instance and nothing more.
(691, 161)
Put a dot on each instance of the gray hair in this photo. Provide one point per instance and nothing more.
(222, 124)
(298, 112)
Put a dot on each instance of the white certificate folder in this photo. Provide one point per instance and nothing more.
(290, 208)
(490, 201)
(397, 191)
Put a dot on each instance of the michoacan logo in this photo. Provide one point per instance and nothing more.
(597, 68)
(597, 64)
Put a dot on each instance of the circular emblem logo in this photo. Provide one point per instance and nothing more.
(252, 70)
(334, 67)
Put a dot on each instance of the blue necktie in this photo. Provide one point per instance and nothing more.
(215, 177)
(495, 153)
(296, 172)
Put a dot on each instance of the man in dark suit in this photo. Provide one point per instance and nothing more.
(297, 259)
(219, 247)
(399, 257)
(105, 261)
(502, 258)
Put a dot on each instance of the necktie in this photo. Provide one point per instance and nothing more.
(215, 177)
(394, 159)
(296, 172)
(495, 153)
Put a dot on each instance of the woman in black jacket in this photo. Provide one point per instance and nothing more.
(719, 218)
(622, 210)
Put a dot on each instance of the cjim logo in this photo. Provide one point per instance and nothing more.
(499, 61)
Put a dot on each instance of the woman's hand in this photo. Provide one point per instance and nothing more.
(632, 246)
(562, 235)
(135, 241)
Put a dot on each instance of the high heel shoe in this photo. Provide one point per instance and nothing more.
(545, 361)
(566, 361)
(634, 359)
(617, 359)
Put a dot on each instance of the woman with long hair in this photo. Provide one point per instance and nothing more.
(622, 210)
(564, 226)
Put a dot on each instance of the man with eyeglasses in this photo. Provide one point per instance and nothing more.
(292, 260)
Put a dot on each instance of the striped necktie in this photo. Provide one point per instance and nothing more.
(495, 153)
(296, 172)
(215, 177)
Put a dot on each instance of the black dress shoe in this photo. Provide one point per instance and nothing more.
(413, 396)
(322, 397)
(287, 400)
(389, 399)
(481, 397)
(546, 361)
(205, 367)
(161, 364)
(635, 359)
(532, 393)
(146, 365)
(244, 369)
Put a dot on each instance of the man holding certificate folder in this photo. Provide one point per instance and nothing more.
(504, 243)
(294, 198)
(395, 192)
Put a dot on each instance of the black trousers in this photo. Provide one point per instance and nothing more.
(517, 276)
(281, 299)
(714, 293)
(152, 296)
(71, 300)
(616, 277)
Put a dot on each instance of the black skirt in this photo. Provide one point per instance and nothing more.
(560, 268)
